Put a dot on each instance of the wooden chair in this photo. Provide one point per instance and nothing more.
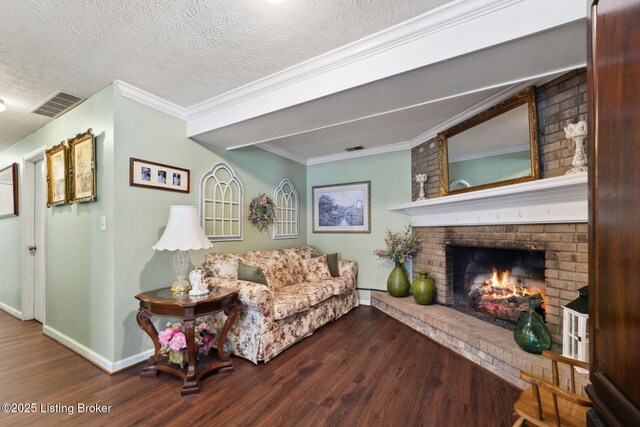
(546, 404)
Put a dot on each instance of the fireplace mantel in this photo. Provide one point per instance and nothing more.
(561, 199)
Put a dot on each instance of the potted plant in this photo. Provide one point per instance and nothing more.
(401, 246)
(173, 341)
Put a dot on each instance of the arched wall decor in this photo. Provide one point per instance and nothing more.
(286, 199)
(221, 203)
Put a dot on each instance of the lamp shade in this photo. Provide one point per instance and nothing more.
(183, 231)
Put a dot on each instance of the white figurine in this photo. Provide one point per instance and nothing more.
(198, 288)
(421, 178)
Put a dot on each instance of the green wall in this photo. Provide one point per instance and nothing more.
(390, 176)
(79, 276)
(93, 275)
(141, 213)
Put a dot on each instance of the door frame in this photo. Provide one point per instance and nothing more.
(27, 204)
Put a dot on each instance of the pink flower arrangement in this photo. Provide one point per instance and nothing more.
(173, 338)
(400, 246)
(262, 212)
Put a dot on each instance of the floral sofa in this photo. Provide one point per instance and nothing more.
(300, 296)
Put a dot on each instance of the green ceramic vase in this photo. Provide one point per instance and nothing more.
(531, 333)
(424, 290)
(398, 283)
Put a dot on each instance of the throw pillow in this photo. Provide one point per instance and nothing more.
(332, 262)
(316, 269)
(251, 274)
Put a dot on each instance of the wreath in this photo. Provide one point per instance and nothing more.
(262, 212)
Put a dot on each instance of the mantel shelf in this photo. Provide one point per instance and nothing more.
(553, 200)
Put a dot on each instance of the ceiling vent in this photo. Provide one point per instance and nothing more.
(58, 104)
(356, 148)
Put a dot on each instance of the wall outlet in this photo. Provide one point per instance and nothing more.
(103, 223)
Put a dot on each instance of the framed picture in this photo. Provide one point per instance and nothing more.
(9, 191)
(57, 173)
(342, 208)
(143, 173)
(82, 174)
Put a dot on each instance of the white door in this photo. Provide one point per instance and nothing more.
(39, 205)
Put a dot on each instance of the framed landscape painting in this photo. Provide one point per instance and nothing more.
(342, 208)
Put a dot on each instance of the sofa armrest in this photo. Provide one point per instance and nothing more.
(249, 293)
(349, 270)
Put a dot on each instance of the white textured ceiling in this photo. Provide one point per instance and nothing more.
(184, 51)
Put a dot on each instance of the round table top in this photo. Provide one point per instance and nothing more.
(164, 295)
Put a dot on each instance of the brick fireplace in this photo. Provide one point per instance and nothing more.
(547, 217)
(565, 258)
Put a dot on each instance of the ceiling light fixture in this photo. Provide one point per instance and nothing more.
(2, 106)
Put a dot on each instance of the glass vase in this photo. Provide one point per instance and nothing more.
(398, 283)
(531, 333)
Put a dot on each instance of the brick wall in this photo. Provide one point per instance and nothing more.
(565, 247)
(559, 102)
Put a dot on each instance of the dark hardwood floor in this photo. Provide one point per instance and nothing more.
(365, 369)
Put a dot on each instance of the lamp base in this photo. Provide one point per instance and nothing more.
(180, 287)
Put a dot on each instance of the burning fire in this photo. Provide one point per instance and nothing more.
(504, 287)
(500, 296)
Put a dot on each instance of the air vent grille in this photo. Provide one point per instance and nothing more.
(58, 104)
(356, 148)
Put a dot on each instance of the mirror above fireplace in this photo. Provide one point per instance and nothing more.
(496, 147)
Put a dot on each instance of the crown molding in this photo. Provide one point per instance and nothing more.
(409, 45)
(150, 100)
(436, 20)
(267, 146)
(390, 148)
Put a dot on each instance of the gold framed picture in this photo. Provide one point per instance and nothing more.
(57, 172)
(82, 173)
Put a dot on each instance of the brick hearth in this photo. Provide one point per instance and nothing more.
(487, 345)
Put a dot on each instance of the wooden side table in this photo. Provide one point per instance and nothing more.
(161, 302)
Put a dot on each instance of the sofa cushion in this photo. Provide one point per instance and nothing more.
(286, 304)
(315, 292)
(251, 273)
(316, 269)
(332, 262)
(340, 285)
(295, 257)
(222, 265)
(275, 265)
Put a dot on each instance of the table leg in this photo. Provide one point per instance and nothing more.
(190, 385)
(232, 314)
(143, 318)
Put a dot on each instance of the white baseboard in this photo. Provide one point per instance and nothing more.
(92, 356)
(365, 302)
(12, 311)
(121, 364)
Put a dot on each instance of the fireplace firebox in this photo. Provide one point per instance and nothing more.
(497, 285)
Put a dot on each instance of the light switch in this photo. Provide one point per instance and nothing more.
(103, 223)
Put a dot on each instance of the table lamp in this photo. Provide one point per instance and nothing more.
(183, 233)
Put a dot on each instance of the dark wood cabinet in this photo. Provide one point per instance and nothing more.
(614, 207)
